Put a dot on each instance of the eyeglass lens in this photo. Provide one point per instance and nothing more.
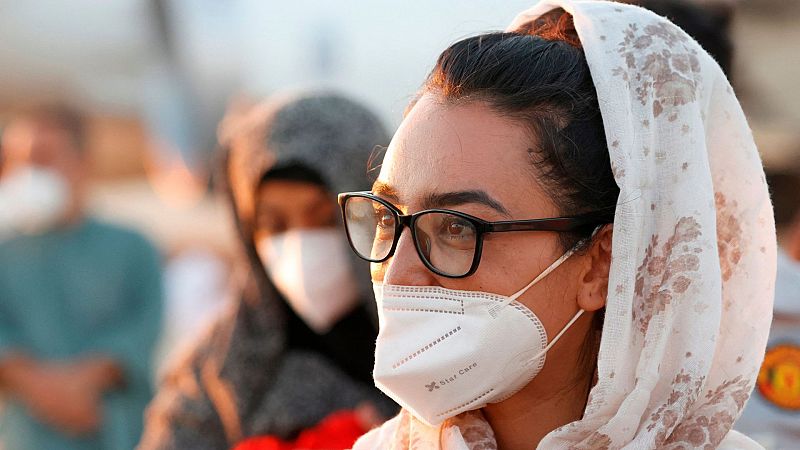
(445, 241)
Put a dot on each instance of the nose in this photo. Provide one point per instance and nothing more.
(404, 267)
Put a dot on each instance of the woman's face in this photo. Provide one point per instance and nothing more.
(442, 149)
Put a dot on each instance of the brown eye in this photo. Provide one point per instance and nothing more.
(456, 232)
(456, 229)
(385, 224)
(385, 218)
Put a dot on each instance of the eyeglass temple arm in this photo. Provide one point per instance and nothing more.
(556, 224)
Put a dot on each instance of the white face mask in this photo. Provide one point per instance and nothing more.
(441, 352)
(312, 270)
(32, 200)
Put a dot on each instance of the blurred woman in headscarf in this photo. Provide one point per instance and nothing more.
(298, 343)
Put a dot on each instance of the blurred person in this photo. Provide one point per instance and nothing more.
(571, 240)
(80, 301)
(297, 345)
(772, 415)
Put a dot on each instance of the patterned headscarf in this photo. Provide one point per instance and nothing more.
(693, 267)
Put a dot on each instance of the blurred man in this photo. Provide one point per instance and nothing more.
(80, 303)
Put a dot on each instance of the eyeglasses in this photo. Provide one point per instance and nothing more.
(449, 243)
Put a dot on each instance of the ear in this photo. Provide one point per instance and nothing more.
(593, 289)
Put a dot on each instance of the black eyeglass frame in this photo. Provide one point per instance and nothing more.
(482, 227)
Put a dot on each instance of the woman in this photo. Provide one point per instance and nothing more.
(298, 343)
(514, 313)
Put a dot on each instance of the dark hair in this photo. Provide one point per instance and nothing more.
(539, 77)
(293, 171)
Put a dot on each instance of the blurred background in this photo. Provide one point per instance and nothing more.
(154, 77)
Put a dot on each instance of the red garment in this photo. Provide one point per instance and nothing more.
(263, 443)
(338, 431)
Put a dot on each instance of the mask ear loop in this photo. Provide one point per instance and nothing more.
(560, 333)
(498, 307)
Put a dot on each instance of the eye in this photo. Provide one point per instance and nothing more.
(384, 218)
(385, 223)
(456, 229)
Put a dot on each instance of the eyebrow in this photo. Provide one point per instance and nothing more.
(384, 190)
(445, 199)
(449, 199)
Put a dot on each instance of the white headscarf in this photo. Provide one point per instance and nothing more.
(693, 267)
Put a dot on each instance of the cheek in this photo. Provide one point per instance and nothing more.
(555, 298)
(510, 261)
(377, 271)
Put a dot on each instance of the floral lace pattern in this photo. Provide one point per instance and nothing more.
(729, 235)
(665, 74)
(467, 431)
(707, 432)
(692, 272)
(667, 271)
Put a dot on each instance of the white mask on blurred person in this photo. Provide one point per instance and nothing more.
(312, 270)
(32, 200)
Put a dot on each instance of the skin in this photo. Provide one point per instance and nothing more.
(283, 205)
(66, 394)
(443, 148)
